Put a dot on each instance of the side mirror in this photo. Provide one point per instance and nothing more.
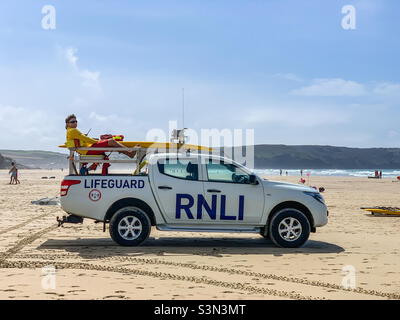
(253, 179)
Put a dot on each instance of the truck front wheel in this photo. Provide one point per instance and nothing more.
(130, 226)
(289, 228)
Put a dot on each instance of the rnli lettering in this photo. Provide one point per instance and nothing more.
(185, 202)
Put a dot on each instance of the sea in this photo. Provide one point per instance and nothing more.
(386, 173)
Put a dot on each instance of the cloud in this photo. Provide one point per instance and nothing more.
(102, 118)
(331, 87)
(28, 128)
(393, 134)
(344, 88)
(295, 116)
(90, 79)
(387, 89)
(70, 55)
(109, 122)
(289, 76)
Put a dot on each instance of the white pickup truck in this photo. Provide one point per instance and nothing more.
(200, 193)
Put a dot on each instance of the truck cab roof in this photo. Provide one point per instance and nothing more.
(202, 158)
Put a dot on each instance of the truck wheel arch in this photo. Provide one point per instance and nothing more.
(294, 205)
(129, 202)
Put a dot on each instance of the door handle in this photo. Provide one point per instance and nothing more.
(213, 190)
(165, 188)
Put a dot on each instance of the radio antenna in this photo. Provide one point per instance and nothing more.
(183, 108)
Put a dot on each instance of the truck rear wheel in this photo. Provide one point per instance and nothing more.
(289, 228)
(130, 226)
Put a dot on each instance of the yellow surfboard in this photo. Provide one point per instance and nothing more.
(158, 145)
(383, 210)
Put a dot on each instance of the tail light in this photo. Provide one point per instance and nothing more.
(65, 184)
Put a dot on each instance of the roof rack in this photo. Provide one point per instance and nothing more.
(177, 137)
(76, 158)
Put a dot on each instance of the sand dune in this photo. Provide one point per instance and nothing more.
(173, 265)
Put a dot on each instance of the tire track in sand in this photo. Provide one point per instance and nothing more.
(198, 280)
(268, 276)
(24, 242)
(86, 266)
(264, 276)
(22, 224)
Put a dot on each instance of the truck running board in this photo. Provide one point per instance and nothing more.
(207, 229)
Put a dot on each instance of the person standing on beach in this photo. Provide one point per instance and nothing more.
(301, 172)
(16, 177)
(14, 174)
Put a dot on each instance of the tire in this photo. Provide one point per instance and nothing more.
(293, 238)
(130, 226)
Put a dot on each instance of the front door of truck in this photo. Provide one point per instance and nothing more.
(237, 201)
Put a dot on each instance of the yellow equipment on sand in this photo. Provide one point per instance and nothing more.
(383, 210)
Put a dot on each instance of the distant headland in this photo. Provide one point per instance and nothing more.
(271, 156)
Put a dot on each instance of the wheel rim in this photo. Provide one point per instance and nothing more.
(129, 228)
(290, 229)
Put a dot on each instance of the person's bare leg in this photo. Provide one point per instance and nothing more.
(116, 144)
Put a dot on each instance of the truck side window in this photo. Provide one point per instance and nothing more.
(182, 169)
(226, 172)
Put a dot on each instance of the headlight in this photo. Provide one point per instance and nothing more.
(316, 195)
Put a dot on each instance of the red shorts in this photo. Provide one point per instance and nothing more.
(100, 144)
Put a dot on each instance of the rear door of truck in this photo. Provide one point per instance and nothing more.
(177, 185)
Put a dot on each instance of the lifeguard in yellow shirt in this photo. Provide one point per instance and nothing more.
(76, 139)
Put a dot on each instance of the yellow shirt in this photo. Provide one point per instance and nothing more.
(84, 141)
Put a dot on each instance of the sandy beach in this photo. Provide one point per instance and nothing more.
(171, 265)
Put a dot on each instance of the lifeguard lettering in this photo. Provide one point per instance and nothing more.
(113, 184)
(185, 202)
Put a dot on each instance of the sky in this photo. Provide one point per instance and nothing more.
(285, 68)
